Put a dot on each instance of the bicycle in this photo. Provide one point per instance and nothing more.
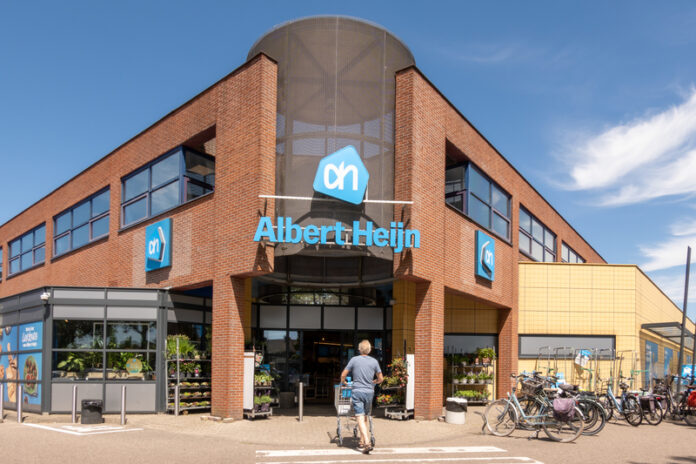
(502, 416)
(628, 406)
(594, 414)
(677, 407)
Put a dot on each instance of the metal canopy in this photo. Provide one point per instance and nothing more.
(671, 331)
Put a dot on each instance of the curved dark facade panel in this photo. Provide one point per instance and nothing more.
(336, 87)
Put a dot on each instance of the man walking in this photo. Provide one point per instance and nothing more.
(366, 373)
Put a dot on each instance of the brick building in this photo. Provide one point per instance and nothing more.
(212, 223)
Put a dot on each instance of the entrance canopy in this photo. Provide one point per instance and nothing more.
(671, 331)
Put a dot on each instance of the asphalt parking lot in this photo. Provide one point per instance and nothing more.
(281, 439)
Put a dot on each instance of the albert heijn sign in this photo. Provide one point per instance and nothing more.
(341, 175)
(158, 245)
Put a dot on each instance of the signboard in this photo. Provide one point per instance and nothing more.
(342, 175)
(485, 256)
(158, 245)
(31, 336)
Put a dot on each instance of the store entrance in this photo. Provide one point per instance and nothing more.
(324, 355)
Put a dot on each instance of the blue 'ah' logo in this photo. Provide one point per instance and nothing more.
(485, 256)
(342, 175)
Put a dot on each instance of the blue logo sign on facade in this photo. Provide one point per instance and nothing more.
(485, 256)
(158, 245)
(342, 175)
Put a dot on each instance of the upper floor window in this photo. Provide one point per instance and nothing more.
(81, 224)
(568, 255)
(474, 194)
(29, 250)
(172, 179)
(536, 240)
(0, 263)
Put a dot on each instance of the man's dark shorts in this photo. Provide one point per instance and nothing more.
(362, 402)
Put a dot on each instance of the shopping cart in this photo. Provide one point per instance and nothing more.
(344, 409)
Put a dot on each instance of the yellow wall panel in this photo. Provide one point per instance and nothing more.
(603, 277)
(602, 300)
(580, 299)
(558, 276)
(537, 299)
(537, 276)
(625, 277)
(581, 276)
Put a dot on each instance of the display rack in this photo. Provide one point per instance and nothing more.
(252, 366)
(478, 385)
(404, 409)
(188, 392)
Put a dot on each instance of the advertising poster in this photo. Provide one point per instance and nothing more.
(31, 336)
(651, 350)
(30, 373)
(668, 360)
(9, 374)
(8, 339)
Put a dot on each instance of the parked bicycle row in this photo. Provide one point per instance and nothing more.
(564, 411)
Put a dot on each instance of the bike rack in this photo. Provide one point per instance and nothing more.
(548, 359)
(564, 369)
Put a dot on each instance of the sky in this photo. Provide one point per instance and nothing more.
(593, 102)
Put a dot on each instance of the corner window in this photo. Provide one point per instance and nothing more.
(29, 250)
(536, 240)
(171, 180)
(81, 224)
(470, 191)
(568, 255)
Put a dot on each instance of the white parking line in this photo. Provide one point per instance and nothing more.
(377, 451)
(82, 431)
(493, 460)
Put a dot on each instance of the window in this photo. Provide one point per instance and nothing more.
(29, 250)
(568, 255)
(81, 224)
(0, 263)
(468, 190)
(536, 240)
(83, 350)
(174, 178)
(531, 345)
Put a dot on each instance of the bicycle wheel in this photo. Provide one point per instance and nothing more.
(689, 414)
(563, 431)
(676, 409)
(608, 406)
(595, 416)
(501, 417)
(632, 411)
(654, 416)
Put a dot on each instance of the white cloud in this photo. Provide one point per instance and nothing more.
(649, 157)
(668, 253)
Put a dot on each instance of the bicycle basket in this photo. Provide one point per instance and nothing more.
(531, 387)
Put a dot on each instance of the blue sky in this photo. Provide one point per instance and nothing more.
(594, 102)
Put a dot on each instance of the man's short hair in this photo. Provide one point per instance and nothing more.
(364, 347)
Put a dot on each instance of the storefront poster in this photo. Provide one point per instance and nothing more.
(668, 360)
(30, 367)
(33, 398)
(31, 336)
(8, 375)
(651, 351)
(8, 339)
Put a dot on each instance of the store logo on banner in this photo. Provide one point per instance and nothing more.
(485, 256)
(342, 175)
(158, 237)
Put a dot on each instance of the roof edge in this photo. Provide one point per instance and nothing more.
(420, 73)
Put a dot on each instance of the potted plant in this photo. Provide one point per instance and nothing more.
(489, 379)
(262, 403)
(186, 347)
(487, 355)
(464, 359)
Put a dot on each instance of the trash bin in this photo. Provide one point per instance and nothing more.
(455, 411)
(91, 412)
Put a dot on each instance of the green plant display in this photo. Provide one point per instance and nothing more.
(186, 347)
(74, 362)
(262, 399)
(486, 353)
(263, 378)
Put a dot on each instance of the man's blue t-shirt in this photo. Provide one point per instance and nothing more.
(363, 370)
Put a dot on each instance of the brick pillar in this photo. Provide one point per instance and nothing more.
(507, 349)
(229, 303)
(403, 317)
(429, 355)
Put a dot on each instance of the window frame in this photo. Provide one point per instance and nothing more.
(89, 223)
(182, 178)
(1, 262)
(566, 250)
(466, 193)
(33, 251)
(530, 235)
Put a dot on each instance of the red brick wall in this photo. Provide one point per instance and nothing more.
(425, 123)
(211, 235)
